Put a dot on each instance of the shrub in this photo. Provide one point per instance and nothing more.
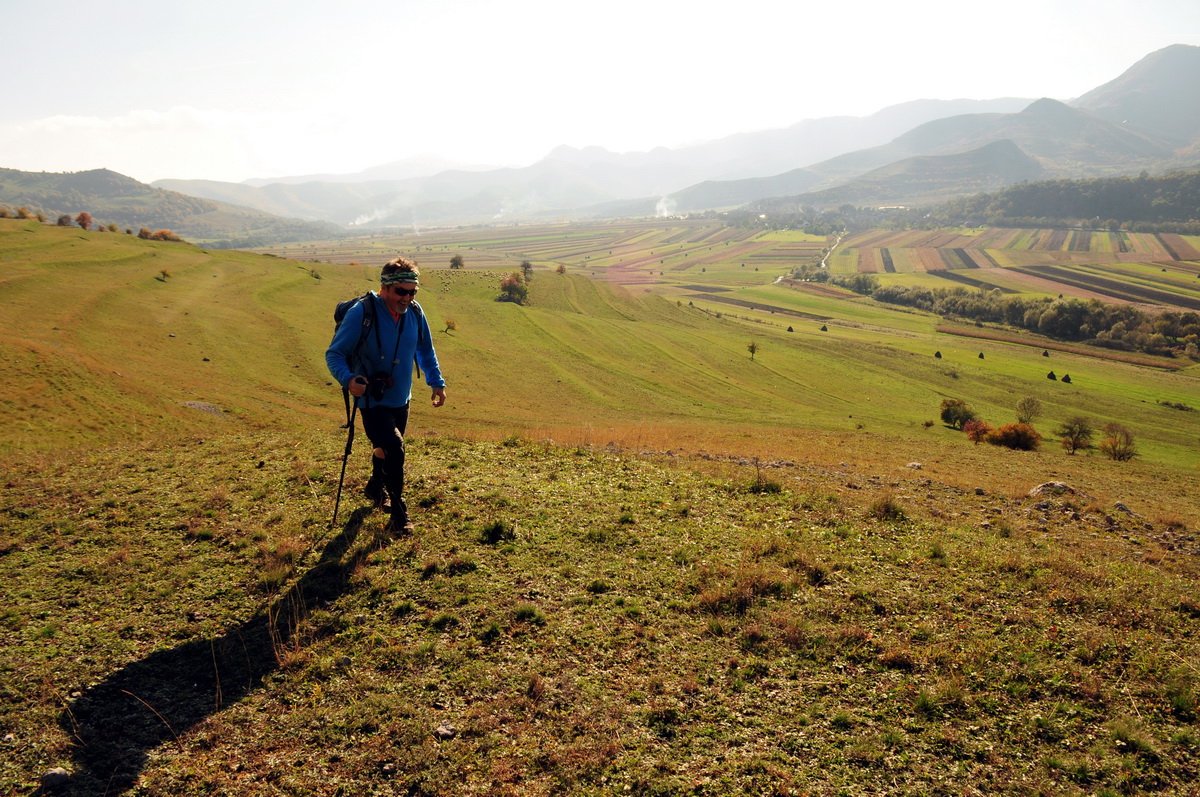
(1019, 436)
(977, 430)
(1118, 443)
(886, 507)
(1029, 410)
(1075, 433)
(956, 413)
(513, 289)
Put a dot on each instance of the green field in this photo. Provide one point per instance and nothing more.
(646, 561)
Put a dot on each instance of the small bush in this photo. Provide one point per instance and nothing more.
(1118, 443)
(977, 430)
(1018, 436)
(956, 412)
(886, 507)
(1075, 433)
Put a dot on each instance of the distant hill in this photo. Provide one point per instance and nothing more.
(1159, 95)
(113, 198)
(1165, 202)
(929, 178)
(575, 181)
(1148, 119)
(1052, 138)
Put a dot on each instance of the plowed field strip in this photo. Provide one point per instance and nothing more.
(963, 279)
(761, 306)
(1179, 246)
(1113, 288)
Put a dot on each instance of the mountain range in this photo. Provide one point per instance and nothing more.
(1146, 120)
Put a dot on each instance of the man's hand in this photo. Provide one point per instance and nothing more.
(357, 386)
(439, 396)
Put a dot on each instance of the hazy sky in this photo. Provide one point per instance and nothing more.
(235, 89)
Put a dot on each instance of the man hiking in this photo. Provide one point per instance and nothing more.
(376, 367)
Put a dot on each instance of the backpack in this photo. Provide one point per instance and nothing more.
(368, 322)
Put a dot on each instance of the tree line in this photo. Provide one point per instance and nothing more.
(1114, 326)
(1162, 203)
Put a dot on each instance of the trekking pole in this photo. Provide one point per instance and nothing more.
(345, 457)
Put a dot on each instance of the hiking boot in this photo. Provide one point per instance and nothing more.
(399, 526)
(375, 493)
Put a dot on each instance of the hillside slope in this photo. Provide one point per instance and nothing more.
(645, 562)
(113, 198)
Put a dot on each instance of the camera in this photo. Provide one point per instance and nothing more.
(379, 384)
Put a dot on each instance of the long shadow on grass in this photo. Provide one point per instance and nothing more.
(116, 723)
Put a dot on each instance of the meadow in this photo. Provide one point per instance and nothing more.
(647, 561)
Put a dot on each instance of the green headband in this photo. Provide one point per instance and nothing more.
(398, 276)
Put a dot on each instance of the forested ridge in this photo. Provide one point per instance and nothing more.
(1164, 203)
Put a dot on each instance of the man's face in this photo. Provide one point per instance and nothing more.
(399, 295)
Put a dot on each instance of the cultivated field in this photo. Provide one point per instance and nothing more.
(646, 562)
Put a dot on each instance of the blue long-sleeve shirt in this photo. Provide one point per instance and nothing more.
(391, 353)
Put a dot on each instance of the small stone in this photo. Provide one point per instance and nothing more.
(445, 731)
(1052, 488)
(980, 491)
(55, 779)
(914, 465)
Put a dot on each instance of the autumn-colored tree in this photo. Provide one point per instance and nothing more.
(513, 289)
(84, 220)
(1029, 410)
(1118, 444)
(977, 430)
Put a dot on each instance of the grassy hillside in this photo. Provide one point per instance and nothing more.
(645, 561)
(113, 198)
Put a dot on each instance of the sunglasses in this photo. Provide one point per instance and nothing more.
(405, 291)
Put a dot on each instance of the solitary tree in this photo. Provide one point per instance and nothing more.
(526, 270)
(456, 261)
(1029, 410)
(1075, 433)
(753, 349)
(513, 289)
(84, 220)
(977, 430)
(956, 413)
(64, 220)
